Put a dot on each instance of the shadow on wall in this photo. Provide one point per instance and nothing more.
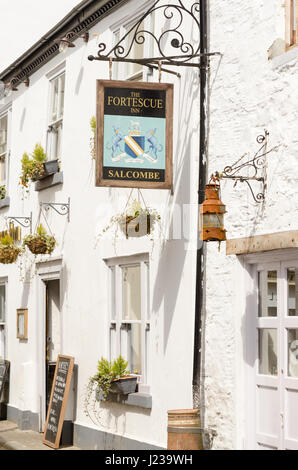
(172, 259)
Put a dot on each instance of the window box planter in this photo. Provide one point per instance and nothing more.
(121, 387)
(50, 167)
(124, 385)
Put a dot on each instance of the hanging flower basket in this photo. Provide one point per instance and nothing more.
(139, 225)
(40, 243)
(8, 251)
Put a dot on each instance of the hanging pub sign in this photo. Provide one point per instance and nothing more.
(134, 134)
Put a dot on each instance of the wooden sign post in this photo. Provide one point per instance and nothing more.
(4, 366)
(134, 134)
(58, 401)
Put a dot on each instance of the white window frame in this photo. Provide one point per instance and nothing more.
(291, 23)
(6, 154)
(119, 327)
(55, 127)
(3, 322)
(120, 69)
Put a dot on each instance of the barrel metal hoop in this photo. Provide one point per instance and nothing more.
(185, 430)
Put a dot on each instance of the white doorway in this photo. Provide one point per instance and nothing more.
(273, 345)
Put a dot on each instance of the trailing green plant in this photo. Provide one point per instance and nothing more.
(32, 167)
(107, 372)
(2, 192)
(93, 138)
(136, 220)
(40, 242)
(9, 252)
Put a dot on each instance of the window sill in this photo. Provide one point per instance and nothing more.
(49, 181)
(141, 400)
(5, 202)
(285, 57)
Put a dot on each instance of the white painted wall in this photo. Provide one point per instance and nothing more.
(84, 278)
(248, 93)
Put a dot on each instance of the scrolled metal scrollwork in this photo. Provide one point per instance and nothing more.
(171, 46)
(252, 166)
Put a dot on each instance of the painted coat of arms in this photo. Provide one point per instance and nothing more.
(135, 147)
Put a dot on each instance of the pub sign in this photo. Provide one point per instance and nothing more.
(134, 134)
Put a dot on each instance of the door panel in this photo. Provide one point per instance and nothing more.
(276, 369)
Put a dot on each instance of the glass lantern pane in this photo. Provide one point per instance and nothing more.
(213, 220)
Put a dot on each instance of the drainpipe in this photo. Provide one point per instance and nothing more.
(201, 255)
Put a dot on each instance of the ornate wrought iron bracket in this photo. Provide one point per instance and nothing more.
(23, 221)
(183, 52)
(60, 208)
(253, 166)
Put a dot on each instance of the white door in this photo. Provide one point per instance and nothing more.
(276, 343)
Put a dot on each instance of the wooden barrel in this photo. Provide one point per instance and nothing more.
(184, 430)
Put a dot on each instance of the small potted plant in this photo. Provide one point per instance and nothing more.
(113, 378)
(40, 243)
(9, 252)
(135, 221)
(37, 167)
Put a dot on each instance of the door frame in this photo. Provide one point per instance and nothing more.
(46, 271)
(252, 264)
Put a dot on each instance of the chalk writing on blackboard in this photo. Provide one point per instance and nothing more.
(58, 400)
(4, 366)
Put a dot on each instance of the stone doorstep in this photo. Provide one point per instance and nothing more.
(12, 438)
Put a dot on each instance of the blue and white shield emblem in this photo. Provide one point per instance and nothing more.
(134, 145)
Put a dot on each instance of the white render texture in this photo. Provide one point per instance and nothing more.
(248, 93)
(84, 302)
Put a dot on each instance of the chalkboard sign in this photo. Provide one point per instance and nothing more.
(58, 401)
(4, 366)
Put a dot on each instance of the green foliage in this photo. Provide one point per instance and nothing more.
(32, 167)
(6, 240)
(119, 367)
(107, 372)
(133, 211)
(41, 231)
(46, 243)
(93, 138)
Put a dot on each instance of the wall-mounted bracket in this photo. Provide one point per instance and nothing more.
(60, 208)
(253, 166)
(171, 46)
(23, 221)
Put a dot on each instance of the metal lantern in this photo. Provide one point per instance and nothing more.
(212, 215)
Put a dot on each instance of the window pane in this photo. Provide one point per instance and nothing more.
(292, 291)
(2, 172)
(112, 293)
(2, 303)
(3, 135)
(61, 97)
(293, 352)
(137, 50)
(131, 292)
(54, 113)
(267, 281)
(268, 351)
(135, 348)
